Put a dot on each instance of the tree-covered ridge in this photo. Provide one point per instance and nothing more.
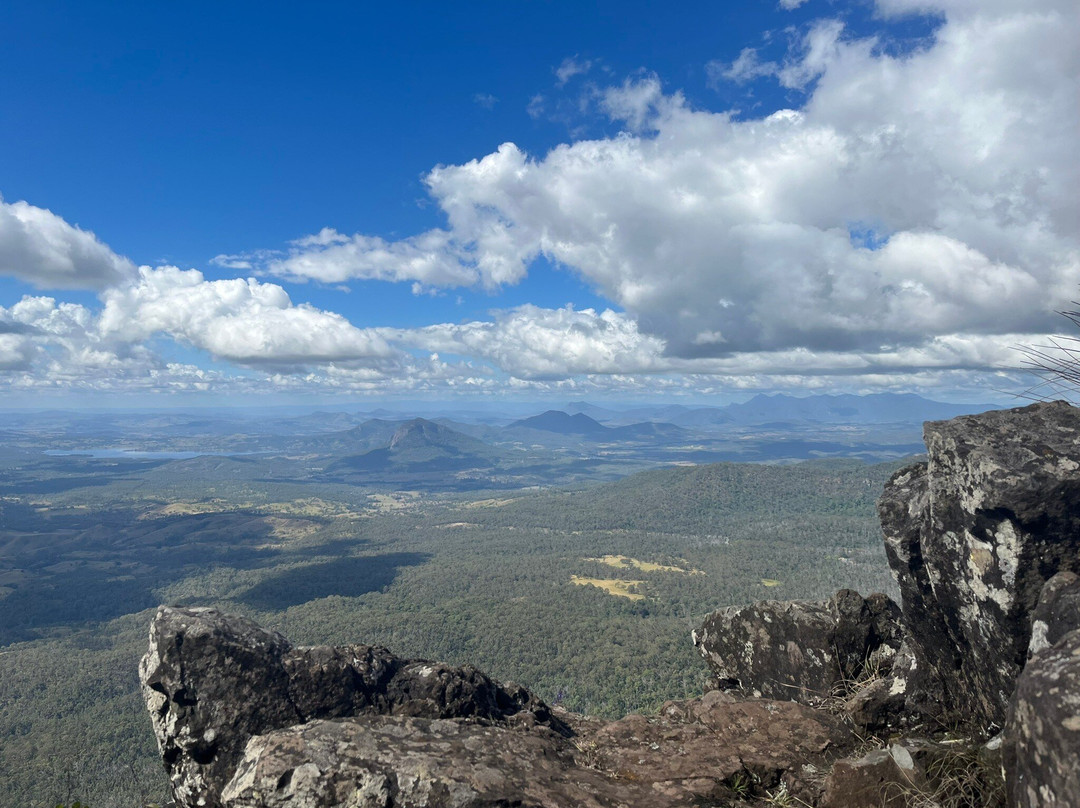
(691, 499)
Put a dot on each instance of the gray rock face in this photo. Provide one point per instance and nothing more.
(395, 762)
(802, 651)
(211, 681)
(1042, 739)
(695, 749)
(1057, 612)
(244, 719)
(686, 755)
(972, 535)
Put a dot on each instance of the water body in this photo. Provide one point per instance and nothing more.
(132, 454)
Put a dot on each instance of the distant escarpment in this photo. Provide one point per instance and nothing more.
(977, 667)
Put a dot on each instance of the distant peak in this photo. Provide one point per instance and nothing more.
(559, 421)
(419, 428)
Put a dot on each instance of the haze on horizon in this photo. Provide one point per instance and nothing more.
(540, 203)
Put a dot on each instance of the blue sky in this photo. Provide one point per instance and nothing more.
(606, 200)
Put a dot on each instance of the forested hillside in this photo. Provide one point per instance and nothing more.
(587, 595)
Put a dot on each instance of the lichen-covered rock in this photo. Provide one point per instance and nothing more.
(798, 650)
(398, 762)
(1041, 751)
(213, 680)
(694, 751)
(1057, 612)
(244, 719)
(691, 752)
(972, 535)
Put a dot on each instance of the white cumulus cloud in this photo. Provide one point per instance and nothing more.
(40, 248)
(242, 320)
(530, 342)
(433, 258)
(911, 198)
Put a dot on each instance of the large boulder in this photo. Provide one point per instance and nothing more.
(245, 719)
(212, 681)
(804, 651)
(1042, 738)
(972, 535)
(695, 751)
(396, 762)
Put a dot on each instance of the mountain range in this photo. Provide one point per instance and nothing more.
(876, 408)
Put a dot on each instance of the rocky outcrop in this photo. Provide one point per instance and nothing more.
(383, 761)
(805, 651)
(972, 535)
(243, 718)
(212, 681)
(694, 751)
(1042, 738)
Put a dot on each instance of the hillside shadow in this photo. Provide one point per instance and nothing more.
(115, 567)
(349, 577)
(56, 485)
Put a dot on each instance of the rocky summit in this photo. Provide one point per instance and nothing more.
(848, 703)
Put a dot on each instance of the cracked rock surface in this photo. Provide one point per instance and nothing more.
(799, 650)
(1042, 738)
(972, 535)
(213, 680)
(244, 719)
(382, 761)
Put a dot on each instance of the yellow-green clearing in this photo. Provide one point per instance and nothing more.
(488, 503)
(626, 562)
(612, 586)
(770, 582)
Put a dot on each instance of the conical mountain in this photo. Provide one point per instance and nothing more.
(420, 434)
(561, 423)
(420, 445)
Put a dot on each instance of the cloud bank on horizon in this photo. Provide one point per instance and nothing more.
(906, 226)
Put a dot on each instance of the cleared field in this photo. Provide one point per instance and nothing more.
(612, 586)
(770, 582)
(488, 503)
(626, 562)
